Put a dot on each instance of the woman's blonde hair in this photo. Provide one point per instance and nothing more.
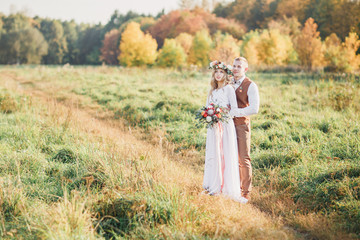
(214, 84)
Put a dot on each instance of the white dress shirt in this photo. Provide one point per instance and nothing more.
(254, 100)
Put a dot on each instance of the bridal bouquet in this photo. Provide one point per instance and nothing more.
(211, 115)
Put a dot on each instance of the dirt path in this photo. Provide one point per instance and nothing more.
(226, 218)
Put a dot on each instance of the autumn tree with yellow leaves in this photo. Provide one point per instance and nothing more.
(333, 55)
(275, 48)
(201, 46)
(185, 40)
(226, 48)
(268, 47)
(340, 56)
(137, 48)
(309, 46)
(351, 46)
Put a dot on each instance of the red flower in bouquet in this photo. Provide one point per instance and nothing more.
(212, 114)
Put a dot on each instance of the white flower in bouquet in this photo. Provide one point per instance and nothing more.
(229, 67)
(211, 115)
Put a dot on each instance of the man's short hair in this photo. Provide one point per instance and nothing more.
(242, 59)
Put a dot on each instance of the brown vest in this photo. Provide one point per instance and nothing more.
(242, 100)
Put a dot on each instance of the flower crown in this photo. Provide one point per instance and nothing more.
(220, 65)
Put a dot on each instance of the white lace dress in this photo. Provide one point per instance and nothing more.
(221, 174)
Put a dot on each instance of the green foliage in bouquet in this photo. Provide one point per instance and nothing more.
(211, 115)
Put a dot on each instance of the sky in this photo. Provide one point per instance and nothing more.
(88, 11)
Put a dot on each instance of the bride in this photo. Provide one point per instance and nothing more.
(221, 174)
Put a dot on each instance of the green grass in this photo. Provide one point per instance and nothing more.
(58, 183)
(306, 135)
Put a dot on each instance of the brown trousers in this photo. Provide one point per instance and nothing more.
(243, 133)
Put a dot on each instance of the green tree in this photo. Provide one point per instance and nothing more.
(117, 19)
(257, 15)
(241, 11)
(89, 44)
(71, 35)
(345, 18)
(172, 54)
(334, 16)
(20, 42)
(200, 49)
(222, 10)
(16, 22)
(137, 48)
(54, 34)
(253, 13)
(24, 46)
(322, 11)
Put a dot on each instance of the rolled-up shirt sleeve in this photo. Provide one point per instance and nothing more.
(254, 102)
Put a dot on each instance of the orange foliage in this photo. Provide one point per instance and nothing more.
(309, 46)
(192, 21)
(215, 24)
(110, 49)
(174, 23)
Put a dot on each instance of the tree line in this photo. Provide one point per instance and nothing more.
(307, 33)
(25, 40)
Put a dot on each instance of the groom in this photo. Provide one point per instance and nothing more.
(247, 97)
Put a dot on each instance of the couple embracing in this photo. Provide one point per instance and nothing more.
(228, 168)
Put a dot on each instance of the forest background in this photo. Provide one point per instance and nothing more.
(113, 151)
(291, 35)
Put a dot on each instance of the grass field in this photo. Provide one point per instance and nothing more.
(147, 163)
